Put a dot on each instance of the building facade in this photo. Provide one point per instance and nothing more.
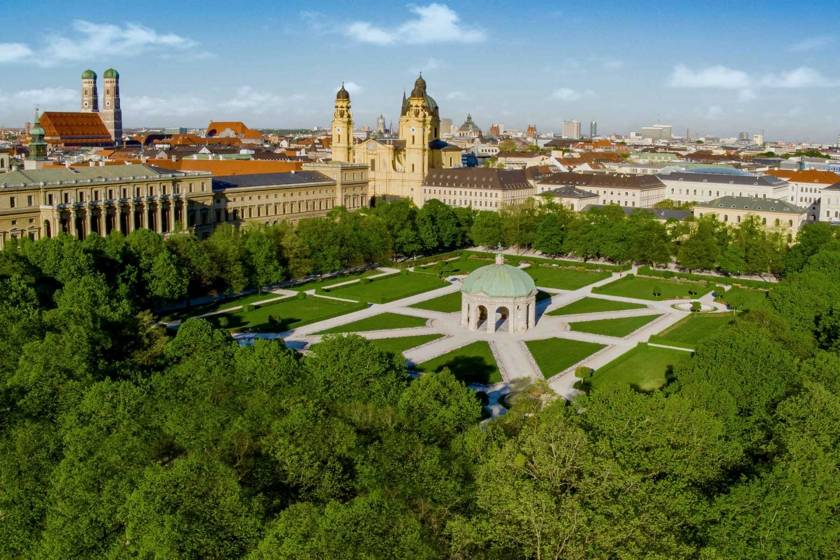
(705, 187)
(634, 191)
(480, 188)
(571, 129)
(397, 166)
(774, 214)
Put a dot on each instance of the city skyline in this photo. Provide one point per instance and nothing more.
(279, 66)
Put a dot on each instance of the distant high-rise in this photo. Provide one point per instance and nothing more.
(593, 129)
(657, 132)
(111, 111)
(531, 132)
(90, 97)
(571, 129)
(744, 136)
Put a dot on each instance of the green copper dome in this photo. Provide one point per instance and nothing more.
(88, 74)
(110, 73)
(499, 280)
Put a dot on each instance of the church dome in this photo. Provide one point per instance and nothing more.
(88, 74)
(110, 73)
(342, 93)
(499, 280)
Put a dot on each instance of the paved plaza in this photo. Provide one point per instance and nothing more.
(513, 358)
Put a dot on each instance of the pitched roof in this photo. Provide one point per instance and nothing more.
(760, 180)
(75, 129)
(221, 167)
(84, 174)
(571, 192)
(606, 180)
(753, 204)
(477, 178)
(291, 179)
(237, 127)
(806, 176)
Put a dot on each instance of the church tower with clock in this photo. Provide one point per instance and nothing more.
(342, 127)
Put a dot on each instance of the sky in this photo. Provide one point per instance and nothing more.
(714, 67)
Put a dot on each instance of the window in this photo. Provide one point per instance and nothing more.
(29, 200)
(11, 202)
(373, 165)
(50, 199)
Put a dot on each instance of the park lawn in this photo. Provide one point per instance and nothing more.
(473, 363)
(744, 299)
(449, 303)
(320, 284)
(379, 322)
(641, 287)
(564, 278)
(613, 327)
(400, 344)
(390, 288)
(286, 314)
(644, 367)
(594, 305)
(693, 329)
(463, 265)
(554, 355)
(197, 310)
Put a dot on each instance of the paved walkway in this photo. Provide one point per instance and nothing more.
(512, 356)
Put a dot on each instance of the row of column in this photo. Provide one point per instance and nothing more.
(124, 219)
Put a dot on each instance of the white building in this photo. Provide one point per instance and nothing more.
(829, 207)
(657, 132)
(704, 187)
(634, 191)
(571, 129)
(481, 188)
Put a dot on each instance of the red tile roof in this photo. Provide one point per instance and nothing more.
(806, 176)
(228, 167)
(74, 129)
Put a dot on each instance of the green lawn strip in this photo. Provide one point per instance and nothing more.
(564, 278)
(641, 287)
(516, 260)
(744, 282)
(645, 367)
(449, 303)
(389, 288)
(400, 344)
(379, 322)
(613, 327)
(554, 355)
(319, 284)
(744, 299)
(463, 265)
(473, 363)
(594, 305)
(693, 329)
(285, 314)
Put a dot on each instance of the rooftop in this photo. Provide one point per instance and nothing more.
(807, 176)
(499, 280)
(761, 180)
(292, 179)
(752, 204)
(604, 180)
(77, 175)
(477, 178)
(571, 192)
(76, 128)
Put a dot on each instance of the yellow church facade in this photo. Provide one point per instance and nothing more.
(396, 166)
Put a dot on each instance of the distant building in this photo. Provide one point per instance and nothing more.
(704, 187)
(593, 129)
(657, 132)
(571, 129)
(758, 139)
(233, 129)
(531, 132)
(481, 188)
(496, 129)
(570, 197)
(733, 210)
(447, 127)
(829, 207)
(468, 130)
(89, 126)
(635, 191)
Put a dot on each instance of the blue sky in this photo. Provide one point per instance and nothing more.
(714, 67)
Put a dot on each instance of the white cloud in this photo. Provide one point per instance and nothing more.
(456, 95)
(802, 77)
(179, 105)
(89, 41)
(47, 96)
(569, 94)
(14, 52)
(434, 23)
(353, 87)
(812, 43)
(718, 77)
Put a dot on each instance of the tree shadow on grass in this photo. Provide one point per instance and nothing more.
(272, 324)
(469, 369)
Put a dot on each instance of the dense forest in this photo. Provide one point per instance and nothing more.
(118, 440)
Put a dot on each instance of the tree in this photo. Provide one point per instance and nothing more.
(168, 281)
(550, 236)
(700, 251)
(486, 229)
(264, 257)
(438, 407)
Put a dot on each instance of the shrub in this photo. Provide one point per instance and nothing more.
(364, 280)
(223, 321)
(301, 295)
(584, 372)
(695, 306)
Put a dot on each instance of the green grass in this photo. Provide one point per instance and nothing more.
(554, 355)
(319, 284)
(473, 363)
(564, 278)
(641, 287)
(287, 314)
(449, 303)
(613, 327)
(516, 260)
(645, 367)
(594, 305)
(463, 265)
(401, 344)
(379, 322)
(693, 329)
(390, 288)
(744, 299)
